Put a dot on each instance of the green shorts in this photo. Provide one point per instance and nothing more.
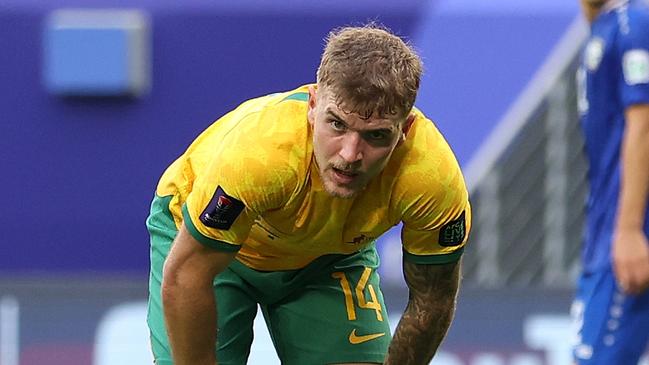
(331, 311)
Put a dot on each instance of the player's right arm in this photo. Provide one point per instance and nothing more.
(188, 298)
(234, 184)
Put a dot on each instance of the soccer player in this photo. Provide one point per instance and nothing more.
(278, 203)
(612, 302)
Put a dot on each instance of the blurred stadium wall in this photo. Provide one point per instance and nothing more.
(83, 144)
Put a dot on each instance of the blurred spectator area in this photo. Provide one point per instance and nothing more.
(79, 172)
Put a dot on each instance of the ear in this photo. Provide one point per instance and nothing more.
(405, 128)
(312, 105)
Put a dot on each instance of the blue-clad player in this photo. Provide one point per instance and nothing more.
(612, 302)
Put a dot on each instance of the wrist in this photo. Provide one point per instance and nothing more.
(629, 225)
(629, 217)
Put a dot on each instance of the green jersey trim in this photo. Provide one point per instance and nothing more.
(209, 242)
(297, 96)
(433, 259)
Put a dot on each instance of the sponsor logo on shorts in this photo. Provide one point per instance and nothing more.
(355, 339)
(222, 210)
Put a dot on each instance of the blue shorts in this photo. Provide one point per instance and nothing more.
(611, 327)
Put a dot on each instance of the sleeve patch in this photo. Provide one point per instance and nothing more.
(635, 64)
(453, 232)
(222, 210)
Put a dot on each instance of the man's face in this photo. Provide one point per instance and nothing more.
(350, 150)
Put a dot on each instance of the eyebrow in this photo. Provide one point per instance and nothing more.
(331, 113)
(337, 117)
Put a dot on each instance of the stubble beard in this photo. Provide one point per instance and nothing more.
(335, 190)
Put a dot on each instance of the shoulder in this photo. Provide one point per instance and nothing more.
(633, 19)
(264, 150)
(633, 42)
(425, 156)
(431, 196)
(428, 172)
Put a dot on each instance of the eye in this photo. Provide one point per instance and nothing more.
(377, 135)
(337, 125)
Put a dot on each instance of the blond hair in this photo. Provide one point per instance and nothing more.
(370, 70)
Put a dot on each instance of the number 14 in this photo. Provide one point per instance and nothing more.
(360, 296)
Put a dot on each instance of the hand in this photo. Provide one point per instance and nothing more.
(631, 260)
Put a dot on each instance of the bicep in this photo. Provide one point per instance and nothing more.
(432, 281)
(190, 262)
(637, 117)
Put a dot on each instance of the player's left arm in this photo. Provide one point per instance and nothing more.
(436, 223)
(630, 244)
(630, 250)
(428, 315)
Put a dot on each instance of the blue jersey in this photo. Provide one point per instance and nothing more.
(614, 75)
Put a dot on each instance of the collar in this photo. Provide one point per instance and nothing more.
(613, 4)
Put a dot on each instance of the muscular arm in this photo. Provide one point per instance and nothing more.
(428, 315)
(630, 246)
(188, 299)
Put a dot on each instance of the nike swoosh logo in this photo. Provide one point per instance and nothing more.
(355, 340)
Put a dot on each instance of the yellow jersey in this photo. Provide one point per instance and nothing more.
(250, 183)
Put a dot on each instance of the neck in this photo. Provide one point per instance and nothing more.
(592, 8)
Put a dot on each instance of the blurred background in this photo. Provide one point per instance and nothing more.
(97, 97)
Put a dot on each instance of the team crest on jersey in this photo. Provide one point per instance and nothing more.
(635, 64)
(594, 53)
(453, 232)
(221, 211)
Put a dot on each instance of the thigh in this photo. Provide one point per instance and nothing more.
(338, 317)
(162, 231)
(612, 326)
(236, 313)
(236, 310)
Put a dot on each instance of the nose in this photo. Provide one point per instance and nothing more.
(352, 149)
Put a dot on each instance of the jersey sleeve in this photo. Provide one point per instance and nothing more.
(243, 180)
(437, 213)
(634, 58)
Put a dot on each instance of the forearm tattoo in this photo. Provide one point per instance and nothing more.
(428, 315)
